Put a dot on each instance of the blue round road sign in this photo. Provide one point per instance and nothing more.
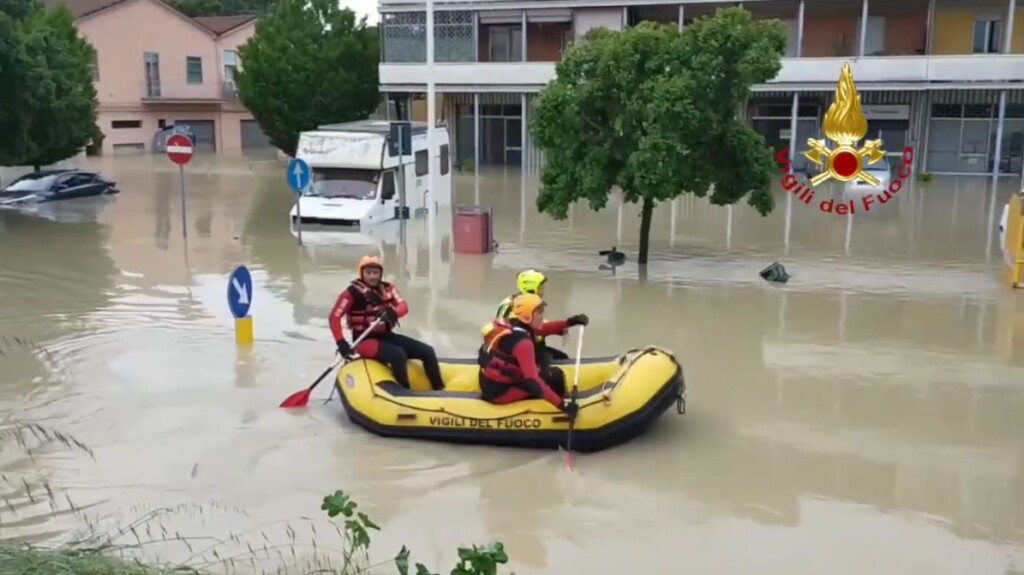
(240, 292)
(298, 175)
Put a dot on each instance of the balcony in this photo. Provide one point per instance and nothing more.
(881, 72)
(210, 92)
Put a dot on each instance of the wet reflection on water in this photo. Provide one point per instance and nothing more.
(874, 398)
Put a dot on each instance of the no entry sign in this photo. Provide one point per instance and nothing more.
(179, 149)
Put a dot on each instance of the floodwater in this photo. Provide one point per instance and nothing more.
(866, 417)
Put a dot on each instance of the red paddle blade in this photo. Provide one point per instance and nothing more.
(297, 399)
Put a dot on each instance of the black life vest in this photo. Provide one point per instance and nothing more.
(495, 359)
(367, 304)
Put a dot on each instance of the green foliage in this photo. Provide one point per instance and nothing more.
(196, 8)
(925, 176)
(655, 111)
(474, 560)
(309, 63)
(48, 101)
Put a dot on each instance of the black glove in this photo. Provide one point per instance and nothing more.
(389, 316)
(572, 409)
(344, 349)
(580, 319)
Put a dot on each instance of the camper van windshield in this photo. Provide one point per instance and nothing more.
(344, 183)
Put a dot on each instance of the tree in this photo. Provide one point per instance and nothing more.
(14, 100)
(655, 111)
(61, 86)
(196, 8)
(48, 110)
(309, 63)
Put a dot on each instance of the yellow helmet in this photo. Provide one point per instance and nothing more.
(525, 305)
(529, 281)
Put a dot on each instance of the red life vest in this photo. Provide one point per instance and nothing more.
(367, 304)
(495, 359)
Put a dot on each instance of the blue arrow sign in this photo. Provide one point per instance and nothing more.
(297, 174)
(240, 292)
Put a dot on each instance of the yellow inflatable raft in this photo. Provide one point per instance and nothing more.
(619, 398)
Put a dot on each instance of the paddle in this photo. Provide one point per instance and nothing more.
(572, 399)
(301, 398)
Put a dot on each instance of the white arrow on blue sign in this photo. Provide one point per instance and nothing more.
(297, 174)
(240, 292)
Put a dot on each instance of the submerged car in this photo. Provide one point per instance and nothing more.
(880, 170)
(54, 185)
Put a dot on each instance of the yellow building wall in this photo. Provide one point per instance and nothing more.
(953, 32)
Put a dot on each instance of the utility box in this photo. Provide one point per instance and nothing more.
(473, 230)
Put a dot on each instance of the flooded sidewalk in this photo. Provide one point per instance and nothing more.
(863, 417)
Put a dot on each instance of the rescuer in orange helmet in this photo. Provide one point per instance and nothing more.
(508, 359)
(365, 300)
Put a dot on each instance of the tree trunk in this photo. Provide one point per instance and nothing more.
(37, 168)
(646, 213)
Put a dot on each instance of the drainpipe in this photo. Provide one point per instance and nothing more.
(863, 28)
(796, 95)
(928, 28)
(1008, 36)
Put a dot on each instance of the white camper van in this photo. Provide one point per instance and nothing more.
(357, 182)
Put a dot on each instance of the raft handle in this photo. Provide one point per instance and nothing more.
(560, 419)
(406, 417)
(681, 403)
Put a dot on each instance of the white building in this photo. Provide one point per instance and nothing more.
(945, 76)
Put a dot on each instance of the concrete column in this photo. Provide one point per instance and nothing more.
(476, 146)
(522, 135)
(793, 145)
(681, 13)
(1008, 33)
(625, 16)
(476, 36)
(999, 133)
(929, 27)
(523, 37)
(863, 27)
(800, 30)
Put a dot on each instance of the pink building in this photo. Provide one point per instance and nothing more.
(156, 67)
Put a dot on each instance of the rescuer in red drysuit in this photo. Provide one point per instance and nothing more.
(366, 299)
(508, 357)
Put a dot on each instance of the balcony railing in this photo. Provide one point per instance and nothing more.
(209, 91)
(819, 72)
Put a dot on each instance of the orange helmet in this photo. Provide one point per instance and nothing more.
(524, 306)
(367, 262)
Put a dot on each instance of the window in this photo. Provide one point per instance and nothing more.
(152, 62)
(987, 35)
(567, 39)
(344, 183)
(506, 44)
(444, 159)
(387, 187)
(75, 180)
(422, 165)
(94, 66)
(230, 58)
(32, 183)
(125, 124)
(194, 69)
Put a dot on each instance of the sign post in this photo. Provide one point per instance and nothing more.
(239, 302)
(298, 175)
(179, 151)
(400, 144)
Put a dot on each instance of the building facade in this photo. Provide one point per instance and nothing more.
(944, 76)
(156, 67)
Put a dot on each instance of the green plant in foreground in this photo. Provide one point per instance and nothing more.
(473, 560)
(925, 176)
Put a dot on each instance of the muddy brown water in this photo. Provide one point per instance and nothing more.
(865, 417)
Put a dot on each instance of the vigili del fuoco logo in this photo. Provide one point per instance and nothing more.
(845, 125)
